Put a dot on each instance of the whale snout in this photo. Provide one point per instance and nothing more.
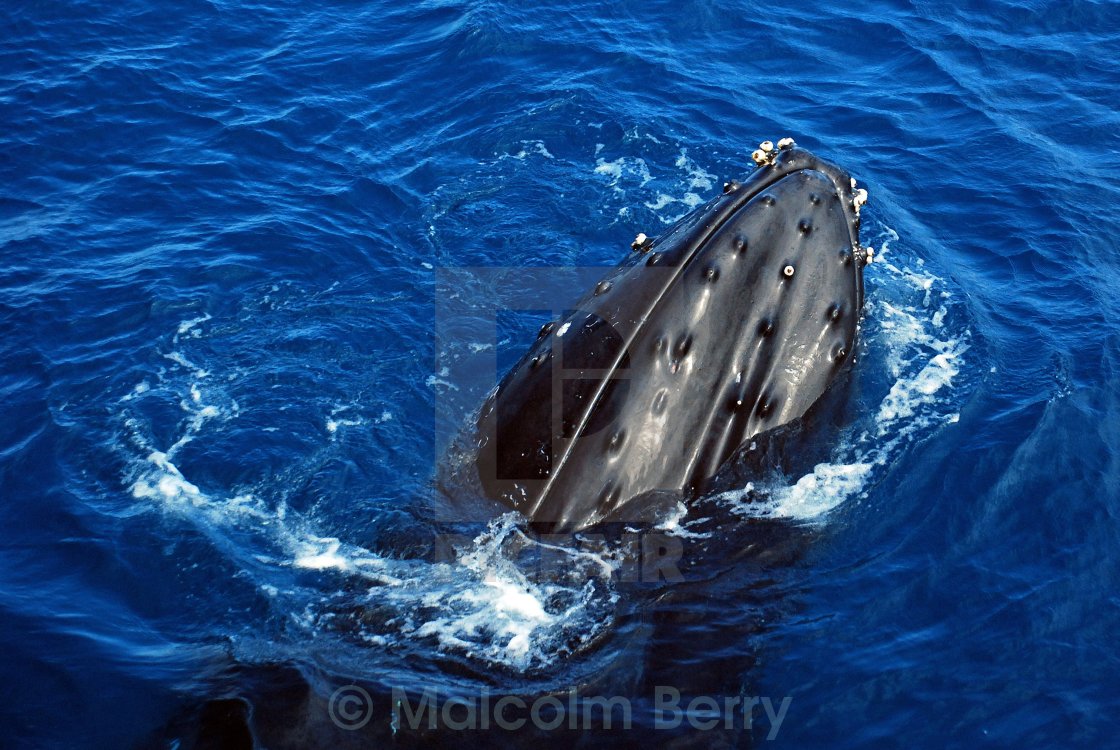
(733, 322)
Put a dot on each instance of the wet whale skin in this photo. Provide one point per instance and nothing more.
(732, 323)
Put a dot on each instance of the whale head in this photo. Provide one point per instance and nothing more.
(732, 323)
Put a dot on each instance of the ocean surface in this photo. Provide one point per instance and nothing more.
(259, 262)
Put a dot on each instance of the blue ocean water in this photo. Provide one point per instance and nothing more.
(230, 237)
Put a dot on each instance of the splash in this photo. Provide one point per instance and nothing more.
(506, 599)
(491, 605)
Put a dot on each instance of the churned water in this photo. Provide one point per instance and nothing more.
(250, 255)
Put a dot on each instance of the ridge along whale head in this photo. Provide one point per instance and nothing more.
(732, 323)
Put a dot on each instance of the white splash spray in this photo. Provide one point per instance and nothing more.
(483, 604)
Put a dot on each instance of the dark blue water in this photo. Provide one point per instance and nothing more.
(250, 255)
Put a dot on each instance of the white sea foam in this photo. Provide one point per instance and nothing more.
(439, 380)
(808, 498)
(697, 181)
(483, 605)
(527, 149)
(189, 326)
(677, 523)
(626, 167)
(491, 608)
(698, 177)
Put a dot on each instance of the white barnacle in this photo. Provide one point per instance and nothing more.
(860, 199)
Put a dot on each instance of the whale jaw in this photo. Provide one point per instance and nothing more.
(734, 322)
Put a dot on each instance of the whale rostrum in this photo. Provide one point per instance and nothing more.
(733, 322)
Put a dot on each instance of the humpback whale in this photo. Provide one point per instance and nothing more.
(732, 323)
